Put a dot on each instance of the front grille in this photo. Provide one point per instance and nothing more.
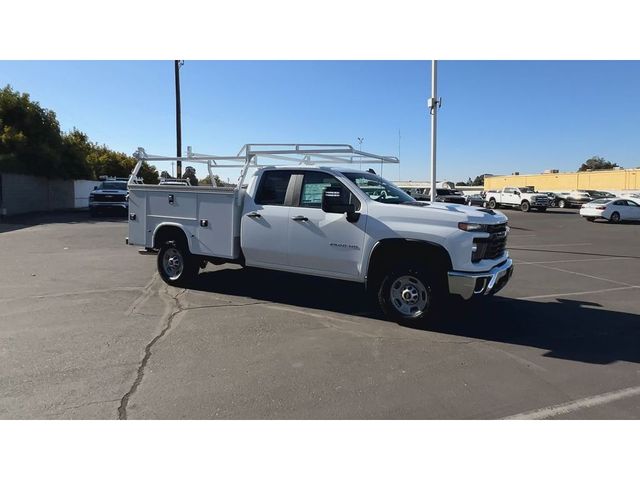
(493, 246)
(109, 197)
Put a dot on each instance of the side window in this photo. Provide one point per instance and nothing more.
(313, 185)
(508, 190)
(631, 203)
(619, 202)
(273, 187)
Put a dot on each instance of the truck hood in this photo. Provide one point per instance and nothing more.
(437, 213)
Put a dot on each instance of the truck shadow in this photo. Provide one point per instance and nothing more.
(568, 329)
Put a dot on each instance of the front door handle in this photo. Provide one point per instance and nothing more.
(300, 218)
(254, 215)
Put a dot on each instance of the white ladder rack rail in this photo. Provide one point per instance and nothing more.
(249, 154)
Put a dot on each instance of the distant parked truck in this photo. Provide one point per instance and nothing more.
(524, 197)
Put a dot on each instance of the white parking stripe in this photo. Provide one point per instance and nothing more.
(556, 295)
(568, 407)
(575, 260)
(551, 245)
(584, 275)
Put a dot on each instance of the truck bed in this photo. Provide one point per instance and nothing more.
(209, 216)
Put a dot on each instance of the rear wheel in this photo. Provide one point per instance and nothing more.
(407, 293)
(176, 265)
(525, 206)
(615, 217)
(492, 203)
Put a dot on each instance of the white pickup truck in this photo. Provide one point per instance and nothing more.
(525, 198)
(325, 221)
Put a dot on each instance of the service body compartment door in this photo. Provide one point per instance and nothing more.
(265, 221)
(217, 219)
(137, 217)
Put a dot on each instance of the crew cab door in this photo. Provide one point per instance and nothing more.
(509, 196)
(265, 220)
(320, 242)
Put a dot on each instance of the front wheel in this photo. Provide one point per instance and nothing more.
(406, 294)
(525, 206)
(176, 265)
(562, 203)
(492, 204)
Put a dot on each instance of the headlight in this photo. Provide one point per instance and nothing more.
(471, 227)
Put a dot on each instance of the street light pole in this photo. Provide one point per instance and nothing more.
(177, 65)
(434, 104)
(360, 140)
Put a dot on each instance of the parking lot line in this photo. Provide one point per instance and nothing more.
(544, 262)
(575, 405)
(584, 275)
(551, 245)
(554, 295)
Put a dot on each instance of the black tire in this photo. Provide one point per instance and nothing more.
(492, 203)
(407, 294)
(176, 265)
(542, 209)
(562, 203)
(614, 218)
(525, 206)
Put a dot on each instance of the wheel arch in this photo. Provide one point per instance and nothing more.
(169, 231)
(387, 252)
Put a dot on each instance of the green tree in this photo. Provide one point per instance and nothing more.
(478, 181)
(30, 138)
(597, 163)
(31, 143)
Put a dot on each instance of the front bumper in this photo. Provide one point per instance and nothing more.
(468, 284)
(96, 205)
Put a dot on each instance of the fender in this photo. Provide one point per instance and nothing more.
(171, 224)
(411, 241)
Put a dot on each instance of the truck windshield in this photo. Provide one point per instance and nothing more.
(378, 188)
(113, 186)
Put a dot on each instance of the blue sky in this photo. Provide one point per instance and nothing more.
(497, 116)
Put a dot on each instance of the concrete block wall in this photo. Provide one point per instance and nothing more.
(26, 193)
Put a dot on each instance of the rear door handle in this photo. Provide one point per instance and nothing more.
(300, 218)
(254, 215)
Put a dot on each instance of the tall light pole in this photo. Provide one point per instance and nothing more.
(360, 140)
(177, 65)
(434, 104)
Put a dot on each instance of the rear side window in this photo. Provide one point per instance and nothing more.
(313, 186)
(273, 187)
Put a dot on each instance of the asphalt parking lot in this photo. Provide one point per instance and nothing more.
(88, 330)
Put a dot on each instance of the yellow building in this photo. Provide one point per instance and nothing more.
(608, 180)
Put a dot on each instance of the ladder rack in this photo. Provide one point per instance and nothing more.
(250, 154)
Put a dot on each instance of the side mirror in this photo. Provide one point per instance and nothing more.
(517, 193)
(335, 200)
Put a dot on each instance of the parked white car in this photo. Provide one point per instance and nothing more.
(612, 209)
